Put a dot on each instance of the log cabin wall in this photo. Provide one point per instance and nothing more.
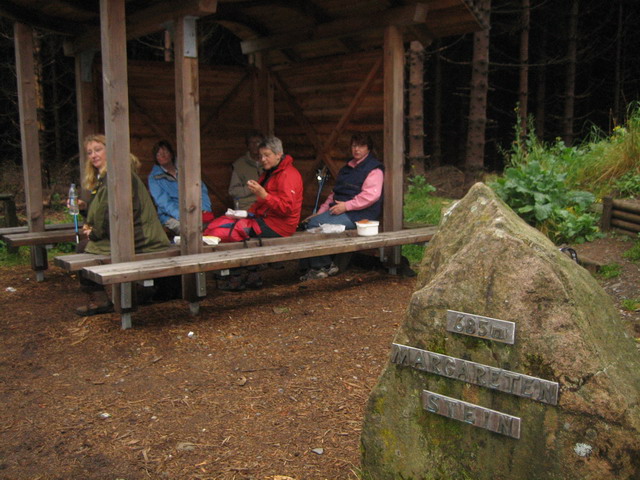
(322, 90)
(225, 115)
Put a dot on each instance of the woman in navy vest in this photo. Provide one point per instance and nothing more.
(357, 195)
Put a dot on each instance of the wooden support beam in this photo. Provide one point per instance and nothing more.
(399, 17)
(116, 111)
(147, 21)
(262, 94)
(31, 162)
(416, 108)
(86, 105)
(188, 148)
(36, 19)
(393, 131)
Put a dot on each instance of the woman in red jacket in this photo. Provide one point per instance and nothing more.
(277, 207)
(278, 191)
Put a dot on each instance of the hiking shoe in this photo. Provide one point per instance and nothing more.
(314, 274)
(332, 269)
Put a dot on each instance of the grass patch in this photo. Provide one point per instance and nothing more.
(421, 208)
(611, 270)
(631, 304)
(633, 253)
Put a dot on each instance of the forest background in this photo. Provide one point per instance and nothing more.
(573, 66)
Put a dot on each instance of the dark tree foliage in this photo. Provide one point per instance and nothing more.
(607, 80)
(599, 38)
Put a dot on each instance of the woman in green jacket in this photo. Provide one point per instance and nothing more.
(149, 236)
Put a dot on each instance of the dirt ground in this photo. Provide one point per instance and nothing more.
(267, 384)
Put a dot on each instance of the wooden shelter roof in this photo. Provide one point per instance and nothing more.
(286, 30)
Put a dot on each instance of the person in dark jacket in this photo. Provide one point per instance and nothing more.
(357, 195)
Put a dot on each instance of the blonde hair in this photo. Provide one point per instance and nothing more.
(91, 173)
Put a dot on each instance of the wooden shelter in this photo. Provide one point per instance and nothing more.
(317, 70)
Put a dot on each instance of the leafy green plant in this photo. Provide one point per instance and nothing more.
(539, 194)
(628, 185)
(631, 304)
(611, 270)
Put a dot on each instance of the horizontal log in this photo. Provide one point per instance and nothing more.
(632, 227)
(632, 206)
(629, 217)
(625, 232)
(219, 260)
(344, 27)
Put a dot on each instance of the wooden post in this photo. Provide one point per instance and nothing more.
(416, 108)
(393, 133)
(263, 97)
(605, 219)
(188, 145)
(86, 106)
(32, 168)
(116, 112)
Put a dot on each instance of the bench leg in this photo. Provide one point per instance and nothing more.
(194, 288)
(124, 303)
(39, 261)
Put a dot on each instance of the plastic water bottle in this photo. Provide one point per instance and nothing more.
(73, 200)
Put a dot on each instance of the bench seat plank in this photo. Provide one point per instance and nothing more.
(25, 229)
(40, 238)
(313, 245)
(77, 261)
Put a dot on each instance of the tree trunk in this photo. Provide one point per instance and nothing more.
(436, 130)
(474, 161)
(570, 85)
(617, 86)
(416, 108)
(541, 85)
(523, 94)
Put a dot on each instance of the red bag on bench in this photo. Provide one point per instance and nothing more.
(229, 229)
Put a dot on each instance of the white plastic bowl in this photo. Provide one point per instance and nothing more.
(367, 228)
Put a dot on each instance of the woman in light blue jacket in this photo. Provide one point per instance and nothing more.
(163, 185)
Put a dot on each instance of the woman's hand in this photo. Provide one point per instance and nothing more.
(338, 208)
(257, 189)
(86, 230)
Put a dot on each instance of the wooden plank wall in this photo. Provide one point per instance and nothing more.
(322, 89)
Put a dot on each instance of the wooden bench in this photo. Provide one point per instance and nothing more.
(226, 256)
(622, 216)
(78, 261)
(311, 246)
(48, 237)
(38, 241)
(25, 229)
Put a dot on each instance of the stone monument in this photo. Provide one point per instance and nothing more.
(512, 363)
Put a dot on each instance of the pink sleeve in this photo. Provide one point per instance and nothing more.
(371, 191)
(325, 206)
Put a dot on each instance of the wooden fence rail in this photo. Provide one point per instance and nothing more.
(622, 216)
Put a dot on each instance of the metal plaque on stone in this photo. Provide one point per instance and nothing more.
(472, 414)
(481, 327)
(494, 378)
